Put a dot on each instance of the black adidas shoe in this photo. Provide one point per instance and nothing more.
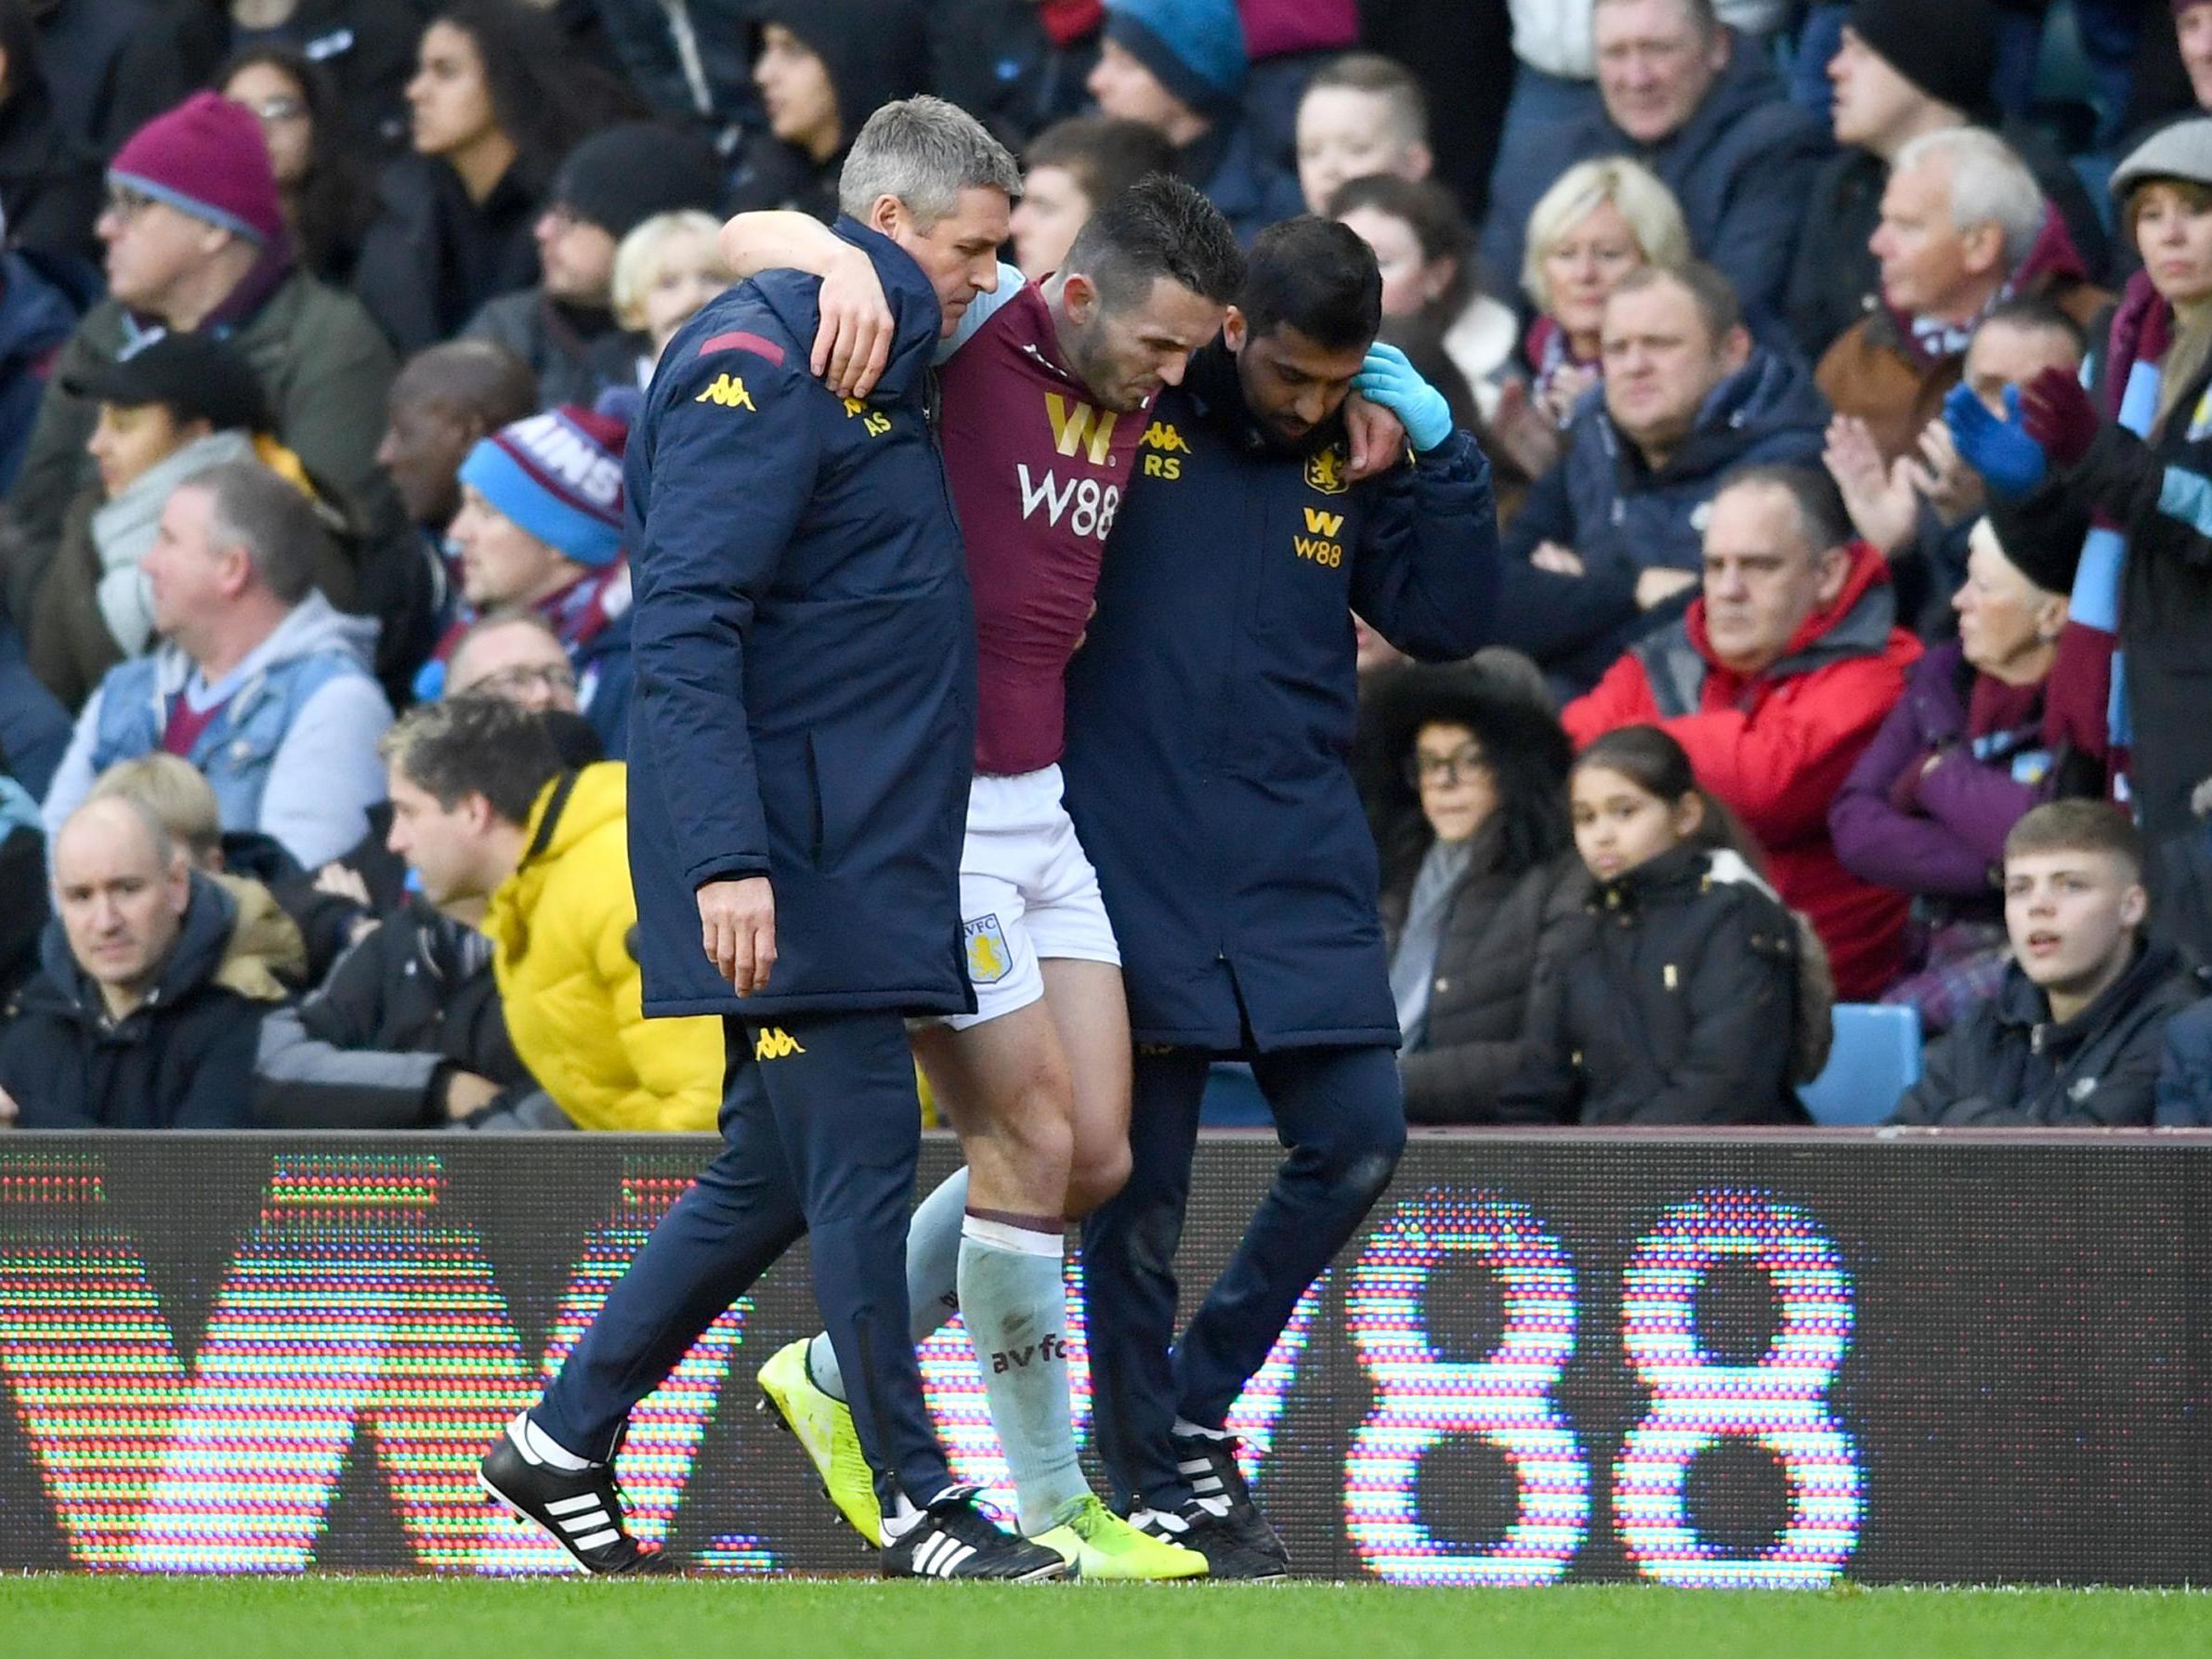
(583, 1508)
(955, 1539)
(1211, 1466)
(1228, 1556)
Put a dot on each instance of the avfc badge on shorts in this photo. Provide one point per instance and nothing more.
(989, 958)
(1325, 472)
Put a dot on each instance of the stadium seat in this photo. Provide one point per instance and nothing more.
(1232, 1100)
(1875, 1058)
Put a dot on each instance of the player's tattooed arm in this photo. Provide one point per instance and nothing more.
(853, 344)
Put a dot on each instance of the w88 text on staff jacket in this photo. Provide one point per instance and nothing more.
(1210, 713)
(804, 651)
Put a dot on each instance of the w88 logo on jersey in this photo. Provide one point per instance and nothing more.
(1088, 505)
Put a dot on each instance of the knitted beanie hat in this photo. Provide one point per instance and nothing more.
(1195, 48)
(1948, 51)
(558, 476)
(622, 177)
(206, 158)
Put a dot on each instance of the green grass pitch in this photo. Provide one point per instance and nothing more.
(340, 1618)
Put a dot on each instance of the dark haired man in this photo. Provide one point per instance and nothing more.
(1209, 716)
(1046, 392)
(2075, 1034)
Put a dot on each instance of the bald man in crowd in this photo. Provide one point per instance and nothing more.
(132, 1021)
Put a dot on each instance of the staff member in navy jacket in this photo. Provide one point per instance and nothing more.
(1209, 719)
(802, 726)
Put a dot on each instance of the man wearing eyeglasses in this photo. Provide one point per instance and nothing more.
(540, 531)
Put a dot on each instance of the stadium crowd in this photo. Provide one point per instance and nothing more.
(1845, 380)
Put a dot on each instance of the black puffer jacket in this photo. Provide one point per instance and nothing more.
(2010, 1064)
(1673, 999)
(182, 1058)
(410, 1003)
(1475, 1039)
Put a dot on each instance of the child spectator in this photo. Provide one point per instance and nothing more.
(1683, 992)
(664, 271)
(1965, 754)
(2075, 1032)
(1361, 115)
(1430, 306)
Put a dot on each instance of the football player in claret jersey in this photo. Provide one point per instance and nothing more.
(1044, 391)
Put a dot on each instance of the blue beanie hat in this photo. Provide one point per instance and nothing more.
(559, 477)
(1195, 48)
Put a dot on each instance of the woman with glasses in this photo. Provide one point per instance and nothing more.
(326, 198)
(1475, 844)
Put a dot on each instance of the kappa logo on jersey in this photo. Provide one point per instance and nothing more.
(873, 421)
(1164, 449)
(990, 959)
(1080, 426)
(776, 1043)
(1325, 472)
(730, 392)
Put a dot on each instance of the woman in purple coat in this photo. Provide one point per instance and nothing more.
(1964, 754)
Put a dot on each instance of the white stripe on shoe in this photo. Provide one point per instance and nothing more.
(584, 1524)
(596, 1539)
(568, 1506)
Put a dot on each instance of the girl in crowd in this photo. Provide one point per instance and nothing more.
(664, 271)
(1962, 758)
(497, 99)
(1475, 845)
(1600, 221)
(1461, 339)
(326, 200)
(1682, 992)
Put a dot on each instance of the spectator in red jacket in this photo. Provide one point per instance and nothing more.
(1774, 680)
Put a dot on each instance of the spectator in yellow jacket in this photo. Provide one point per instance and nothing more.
(483, 809)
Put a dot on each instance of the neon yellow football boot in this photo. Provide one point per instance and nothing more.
(1100, 1545)
(823, 1426)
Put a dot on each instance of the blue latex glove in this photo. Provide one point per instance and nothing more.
(1389, 381)
(2008, 460)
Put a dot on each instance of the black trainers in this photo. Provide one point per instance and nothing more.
(955, 1539)
(583, 1508)
(1227, 1555)
(1210, 1465)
